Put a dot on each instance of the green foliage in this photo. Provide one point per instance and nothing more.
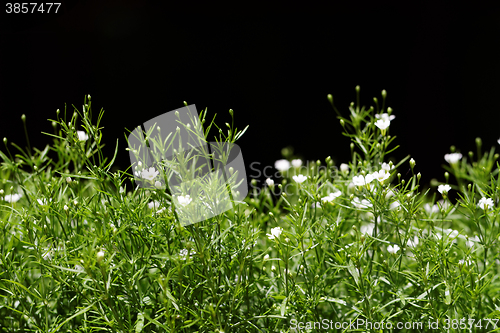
(83, 250)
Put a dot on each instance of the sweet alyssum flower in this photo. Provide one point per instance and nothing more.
(297, 163)
(82, 136)
(393, 249)
(282, 165)
(452, 158)
(275, 233)
(12, 197)
(485, 203)
(444, 188)
(149, 174)
(299, 179)
(331, 196)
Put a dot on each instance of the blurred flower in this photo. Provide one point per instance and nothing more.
(362, 180)
(361, 203)
(394, 205)
(300, 178)
(431, 210)
(367, 229)
(470, 242)
(344, 167)
(413, 242)
(82, 136)
(100, 256)
(158, 184)
(452, 158)
(43, 201)
(275, 233)
(269, 182)
(297, 163)
(393, 249)
(69, 180)
(485, 203)
(184, 200)
(153, 204)
(466, 262)
(149, 175)
(381, 175)
(282, 165)
(331, 196)
(444, 188)
(387, 167)
(12, 197)
(385, 116)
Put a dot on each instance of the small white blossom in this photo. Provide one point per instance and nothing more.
(269, 182)
(153, 204)
(470, 242)
(149, 174)
(431, 210)
(297, 163)
(266, 257)
(466, 262)
(275, 233)
(66, 207)
(184, 200)
(361, 203)
(362, 180)
(381, 175)
(367, 229)
(69, 180)
(385, 116)
(299, 179)
(282, 165)
(393, 249)
(413, 242)
(452, 158)
(12, 197)
(43, 201)
(331, 196)
(344, 167)
(387, 167)
(383, 124)
(444, 188)
(82, 136)
(158, 184)
(485, 203)
(100, 256)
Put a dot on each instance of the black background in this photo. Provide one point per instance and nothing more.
(273, 65)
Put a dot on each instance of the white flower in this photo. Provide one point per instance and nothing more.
(158, 184)
(430, 210)
(266, 257)
(381, 175)
(344, 167)
(385, 116)
(297, 163)
(300, 178)
(282, 165)
(394, 205)
(470, 242)
(275, 233)
(184, 200)
(414, 242)
(153, 204)
(383, 123)
(361, 203)
(360, 180)
(444, 188)
(485, 203)
(387, 167)
(82, 136)
(48, 254)
(452, 158)
(331, 196)
(69, 180)
(393, 249)
(43, 201)
(122, 190)
(66, 207)
(149, 175)
(269, 182)
(12, 197)
(367, 229)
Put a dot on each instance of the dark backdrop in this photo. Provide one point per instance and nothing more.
(274, 66)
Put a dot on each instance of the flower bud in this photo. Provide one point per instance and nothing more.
(66, 207)
(446, 176)
(412, 163)
(23, 118)
(69, 180)
(384, 94)
(342, 122)
(100, 256)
